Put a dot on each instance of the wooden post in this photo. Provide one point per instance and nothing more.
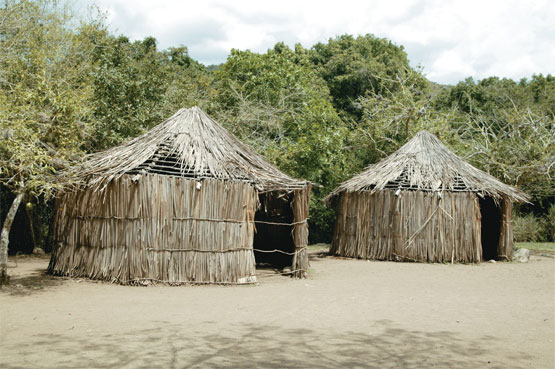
(300, 206)
(505, 246)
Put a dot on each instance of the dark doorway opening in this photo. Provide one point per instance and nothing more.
(491, 227)
(275, 207)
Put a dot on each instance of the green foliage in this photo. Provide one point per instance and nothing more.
(535, 228)
(527, 228)
(506, 129)
(281, 107)
(283, 110)
(354, 67)
(548, 222)
(389, 120)
(136, 86)
(542, 91)
(44, 94)
(188, 82)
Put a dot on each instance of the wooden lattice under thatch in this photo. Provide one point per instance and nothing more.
(180, 204)
(423, 203)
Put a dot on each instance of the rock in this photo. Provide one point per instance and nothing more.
(247, 280)
(38, 251)
(286, 271)
(492, 261)
(522, 255)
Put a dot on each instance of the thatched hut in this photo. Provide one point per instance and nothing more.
(186, 202)
(424, 203)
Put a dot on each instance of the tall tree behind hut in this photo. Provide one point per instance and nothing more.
(136, 85)
(507, 129)
(44, 90)
(278, 104)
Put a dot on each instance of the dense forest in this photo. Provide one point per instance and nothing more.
(69, 87)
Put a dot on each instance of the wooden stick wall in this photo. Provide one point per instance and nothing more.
(160, 228)
(411, 226)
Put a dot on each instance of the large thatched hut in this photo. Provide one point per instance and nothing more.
(424, 203)
(186, 202)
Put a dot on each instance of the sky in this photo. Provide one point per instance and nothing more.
(450, 39)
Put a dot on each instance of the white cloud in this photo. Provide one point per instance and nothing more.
(450, 39)
(450, 64)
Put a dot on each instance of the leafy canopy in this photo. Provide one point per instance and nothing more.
(45, 94)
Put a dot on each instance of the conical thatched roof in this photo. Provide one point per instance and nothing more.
(189, 144)
(424, 163)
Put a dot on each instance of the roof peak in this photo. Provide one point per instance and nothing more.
(425, 163)
(188, 144)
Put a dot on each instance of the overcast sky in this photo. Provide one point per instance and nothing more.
(451, 40)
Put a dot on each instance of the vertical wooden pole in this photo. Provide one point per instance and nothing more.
(300, 205)
(505, 246)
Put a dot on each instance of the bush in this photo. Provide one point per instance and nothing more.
(527, 228)
(548, 222)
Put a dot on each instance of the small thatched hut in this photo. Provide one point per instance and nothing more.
(186, 202)
(423, 203)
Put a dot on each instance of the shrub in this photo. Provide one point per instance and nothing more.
(548, 222)
(527, 228)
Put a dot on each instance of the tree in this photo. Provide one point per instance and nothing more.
(354, 67)
(520, 152)
(188, 82)
(390, 119)
(137, 86)
(507, 129)
(44, 95)
(279, 105)
(129, 83)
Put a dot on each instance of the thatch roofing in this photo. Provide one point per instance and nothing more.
(424, 163)
(189, 144)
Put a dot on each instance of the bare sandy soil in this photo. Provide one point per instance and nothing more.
(348, 313)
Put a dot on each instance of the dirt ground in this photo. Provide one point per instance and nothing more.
(348, 313)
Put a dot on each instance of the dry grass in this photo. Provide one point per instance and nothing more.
(424, 163)
(189, 144)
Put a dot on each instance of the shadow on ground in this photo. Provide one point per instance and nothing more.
(35, 280)
(251, 346)
(316, 255)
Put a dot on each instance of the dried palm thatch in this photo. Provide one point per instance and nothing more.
(178, 204)
(423, 203)
(190, 145)
(424, 163)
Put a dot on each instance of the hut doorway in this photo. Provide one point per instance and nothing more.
(491, 227)
(273, 230)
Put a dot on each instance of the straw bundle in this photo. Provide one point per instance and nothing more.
(424, 163)
(191, 145)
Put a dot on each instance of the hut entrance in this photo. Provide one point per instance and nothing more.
(491, 227)
(273, 231)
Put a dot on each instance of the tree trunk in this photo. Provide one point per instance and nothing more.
(5, 238)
